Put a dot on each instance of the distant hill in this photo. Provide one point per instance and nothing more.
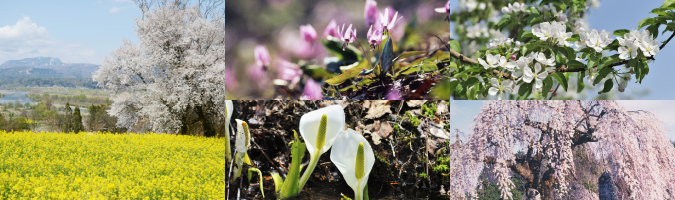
(46, 67)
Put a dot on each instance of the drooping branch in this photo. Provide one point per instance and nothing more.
(521, 168)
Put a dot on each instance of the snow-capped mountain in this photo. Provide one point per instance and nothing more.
(61, 68)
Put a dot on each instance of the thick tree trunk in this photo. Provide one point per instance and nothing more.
(207, 126)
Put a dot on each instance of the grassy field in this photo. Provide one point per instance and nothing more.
(37, 165)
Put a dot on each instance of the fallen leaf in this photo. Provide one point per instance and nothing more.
(415, 103)
(377, 109)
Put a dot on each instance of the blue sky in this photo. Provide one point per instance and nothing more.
(73, 30)
(463, 112)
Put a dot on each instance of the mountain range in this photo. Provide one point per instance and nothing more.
(46, 67)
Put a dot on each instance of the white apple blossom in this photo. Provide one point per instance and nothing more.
(592, 74)
(649, 47)
(545, 30)
(493, 61)
(500, 89)
(536, 75)
(175, 70)
(598, 41)
(623, 82)
(541, 58)
(629, 50)
(499, 41)
(477, 31)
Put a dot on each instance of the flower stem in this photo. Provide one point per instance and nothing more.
(309, 170)
(365, 54)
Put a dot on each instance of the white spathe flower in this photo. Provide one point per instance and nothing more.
(592, 74)
(541, 58)
(536, 76)
(544, 31)
(598, 41)
(629, 50)
(649, 47)
(310, 123)
(493, 61)
(500, 89)
(353, 156)
(228, 115)
(243, 137)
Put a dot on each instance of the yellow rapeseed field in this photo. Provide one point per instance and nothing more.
(46, 165)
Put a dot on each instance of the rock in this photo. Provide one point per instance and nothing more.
(606, 187)
(532, 194)
(377, 109)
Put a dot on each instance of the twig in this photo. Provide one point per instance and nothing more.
(458, 55)
(554, 91)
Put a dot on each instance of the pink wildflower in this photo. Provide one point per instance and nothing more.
(446, 10)
(288, 71)
(308, 33)
(312, 90)
(370, 12)
(262, 56)
(331, 30)
(374, 37)
(348, 37)
(386, 22)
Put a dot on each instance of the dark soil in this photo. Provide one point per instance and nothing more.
(403, 156)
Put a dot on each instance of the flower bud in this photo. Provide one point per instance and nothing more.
(308, 33)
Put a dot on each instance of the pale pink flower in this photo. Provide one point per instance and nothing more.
(370, 12)
(312, 90)
(288, 71)
(374, 37)
(262, 56)
(446, 10)
(331, 29)
(258, 73)
(386, 22)
(348, 37)
(308, 33)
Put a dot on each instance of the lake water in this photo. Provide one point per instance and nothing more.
(21, 96)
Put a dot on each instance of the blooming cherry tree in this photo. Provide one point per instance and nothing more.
(631, 144)
(174, 76)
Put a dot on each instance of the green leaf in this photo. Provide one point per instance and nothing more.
(574, 38)
(351, 73)
(645, 22)
(335, 48)
(527, 34)
(580, 82)
(316, 72)
(608, 86)
(574, 64)
(668, 4)
(408, 54)
(278, 181)
(602, 74)
(561, 78)
(525, 88)
(454, 45)
(621, 32)
(387, 56)
(290, 186)
(548, 84)
(445, 88)
(472, 93)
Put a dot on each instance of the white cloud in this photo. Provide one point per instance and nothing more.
(23, 29)
(114, 9)
(26, 39)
